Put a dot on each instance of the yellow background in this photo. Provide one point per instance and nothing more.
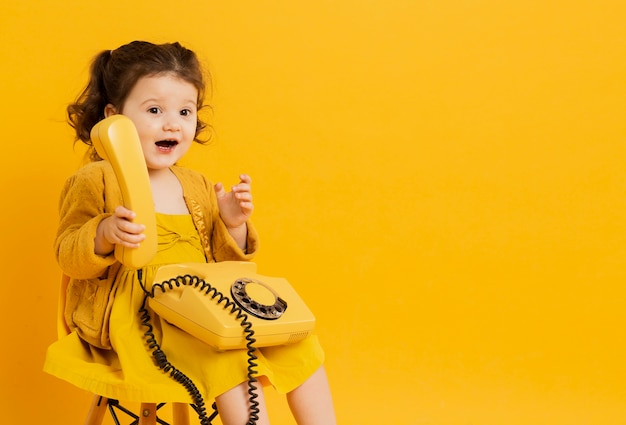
(442, 180)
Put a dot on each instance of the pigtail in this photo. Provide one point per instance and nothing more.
(88, 109)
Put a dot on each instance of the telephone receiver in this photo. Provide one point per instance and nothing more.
(116, 140)
(276, 312)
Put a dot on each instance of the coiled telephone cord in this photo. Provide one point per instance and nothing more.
(177, 375)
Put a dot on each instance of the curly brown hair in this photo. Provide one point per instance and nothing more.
(114, 73)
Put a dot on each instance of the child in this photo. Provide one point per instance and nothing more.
(160, 88)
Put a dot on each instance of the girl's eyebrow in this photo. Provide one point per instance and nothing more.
(149, 100)
(185, 103)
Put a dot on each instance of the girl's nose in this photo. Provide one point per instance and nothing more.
(172, 123)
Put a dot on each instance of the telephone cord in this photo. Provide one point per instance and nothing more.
(177, 375)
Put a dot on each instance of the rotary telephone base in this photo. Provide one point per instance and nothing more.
(276, 312)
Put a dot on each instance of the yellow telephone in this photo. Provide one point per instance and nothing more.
(116, 140)
(277, 314)
(275, 311)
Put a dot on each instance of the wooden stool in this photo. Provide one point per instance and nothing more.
(147, 414)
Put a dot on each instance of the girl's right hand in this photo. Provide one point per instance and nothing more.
(118, 229)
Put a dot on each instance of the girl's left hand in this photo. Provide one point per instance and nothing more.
(235, 206)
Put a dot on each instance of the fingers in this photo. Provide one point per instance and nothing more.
(242, 191)
(243, 194)
(123, 231)
(128, 240)
(219, 190)
(235, 206)
(122, 212)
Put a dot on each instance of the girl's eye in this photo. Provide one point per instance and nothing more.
(153, 110)
(186, 112)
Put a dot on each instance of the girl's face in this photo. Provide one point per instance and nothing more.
(164, 110)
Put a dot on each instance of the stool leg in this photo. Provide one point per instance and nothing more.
(180, 414)
(147, 414)
(97, 410)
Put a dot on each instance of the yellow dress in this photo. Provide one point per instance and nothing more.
(128, 372)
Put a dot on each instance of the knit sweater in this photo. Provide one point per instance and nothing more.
(91, 195)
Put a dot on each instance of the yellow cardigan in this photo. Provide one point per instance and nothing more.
(91, 195)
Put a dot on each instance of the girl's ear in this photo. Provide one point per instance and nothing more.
(109, 110)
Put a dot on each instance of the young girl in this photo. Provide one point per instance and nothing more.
(160, 88)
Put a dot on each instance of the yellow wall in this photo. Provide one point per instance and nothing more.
(442, 180)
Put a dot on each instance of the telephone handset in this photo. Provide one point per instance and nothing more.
(116, 140)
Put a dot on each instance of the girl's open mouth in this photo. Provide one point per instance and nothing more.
(166, 144)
